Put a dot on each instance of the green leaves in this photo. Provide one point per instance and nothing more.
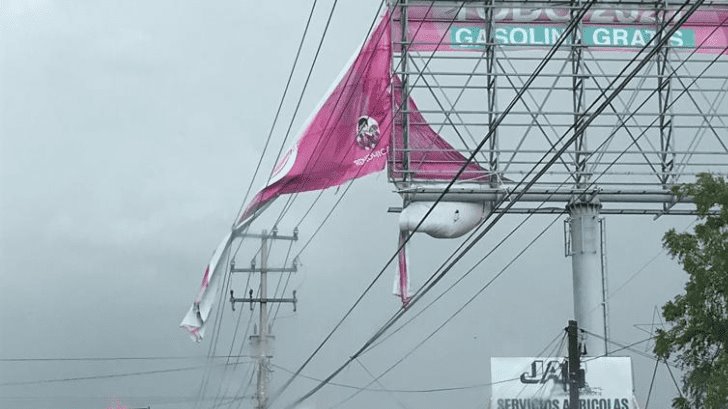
(698, 337)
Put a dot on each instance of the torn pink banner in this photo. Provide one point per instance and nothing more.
(430, 156)
(402, 281)
(348, 135)
(195, 319)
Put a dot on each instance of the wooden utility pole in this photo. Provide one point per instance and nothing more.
(262, 341)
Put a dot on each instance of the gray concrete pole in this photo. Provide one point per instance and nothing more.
(587, 273)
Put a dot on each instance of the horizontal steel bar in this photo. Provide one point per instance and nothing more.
(268, 236)
(479, 4)
(534, 4)
(586, 151)
(566, 125)
(544, 47)
(266, 300)
(267, 270)
(564, 75)
(554, 88)
(566, 113)
(462, 194)
(470, 55)
(604, 211)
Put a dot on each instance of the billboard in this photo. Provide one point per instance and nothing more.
(604, 29)
(540, 383)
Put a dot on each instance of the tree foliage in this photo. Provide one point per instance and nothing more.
(698, 335)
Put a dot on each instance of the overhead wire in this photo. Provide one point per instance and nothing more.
(280, 104)
(559, 335)
(552, 51)
(591, 183)
(120, 358)
(675, 99)
(212, 348)
(277, 393)
(313, 160)
(468, 272)
(107, 376)
(244, 338)
(577, 132)
(268, 139)
(366, 389)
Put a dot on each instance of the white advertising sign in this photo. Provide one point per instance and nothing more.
(540, 383)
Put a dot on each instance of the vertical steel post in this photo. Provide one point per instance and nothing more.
(586, 266)
(605, 281)
(577, 84)
(664, 88)
(404, 108)
(491, 88)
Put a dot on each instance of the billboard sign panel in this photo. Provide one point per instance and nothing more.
(605, 29)
(540, 383)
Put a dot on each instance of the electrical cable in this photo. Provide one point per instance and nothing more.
(559, 335)
(313, 160)
(503, 240)
(577, 133)
(251, 368)
(122, 358)
(592, 183)
(551, 52)
(212, 348)
(363, 389)
(468, 302)
(275, 396)
(107, 376)
(280, 106)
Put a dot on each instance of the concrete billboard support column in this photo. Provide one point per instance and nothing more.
(585, 251)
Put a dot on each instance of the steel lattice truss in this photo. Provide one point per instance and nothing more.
(667, 125)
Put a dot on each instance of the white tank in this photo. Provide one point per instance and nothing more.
(447, 220)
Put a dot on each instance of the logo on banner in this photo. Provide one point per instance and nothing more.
(284, 165)
(367, 132)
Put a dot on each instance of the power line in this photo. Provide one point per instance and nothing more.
(498, 245)
(107, 376)
(352, 396)
(362, 389)
(280, 105)
(603, 93)
(292, 198)
(542, 64)
(121, 358)
(466, 274)
(577, 132)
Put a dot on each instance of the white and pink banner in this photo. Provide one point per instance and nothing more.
(195, 319)
(464, 29)
(430, 156)
(347, 137)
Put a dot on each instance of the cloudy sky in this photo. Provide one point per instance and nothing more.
(129, 132)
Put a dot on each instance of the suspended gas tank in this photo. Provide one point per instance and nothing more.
(447, 220)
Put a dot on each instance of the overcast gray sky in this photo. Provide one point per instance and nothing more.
(128, 134)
